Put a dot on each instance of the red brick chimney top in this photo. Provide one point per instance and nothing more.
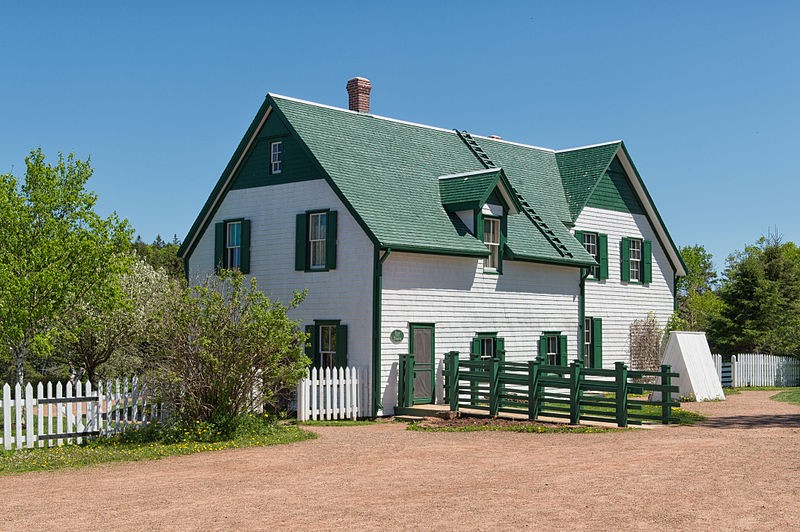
(358, 90)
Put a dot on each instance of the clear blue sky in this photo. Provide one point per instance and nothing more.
(706, 95)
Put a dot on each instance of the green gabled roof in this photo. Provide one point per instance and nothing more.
(471, 190)
(388, 171)
(580, 170)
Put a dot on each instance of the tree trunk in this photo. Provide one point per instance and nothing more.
(19, 360)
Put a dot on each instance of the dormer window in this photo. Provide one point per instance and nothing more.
(276, 157)
(491, 237)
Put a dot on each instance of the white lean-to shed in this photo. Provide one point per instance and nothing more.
(689, 355)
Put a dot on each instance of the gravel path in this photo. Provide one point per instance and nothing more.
(741, 470)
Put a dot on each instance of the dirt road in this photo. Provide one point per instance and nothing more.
(741, 470)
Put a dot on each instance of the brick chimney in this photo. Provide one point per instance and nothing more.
(358, 90)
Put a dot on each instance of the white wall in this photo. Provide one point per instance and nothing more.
(455, 295)
(342, 294)
(618, 303)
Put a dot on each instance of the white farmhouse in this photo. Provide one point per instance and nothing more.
(416, 239)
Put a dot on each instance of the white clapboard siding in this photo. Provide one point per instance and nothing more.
(80, 411)
(332, 393)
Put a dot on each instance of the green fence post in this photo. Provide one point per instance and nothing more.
(454, 381)
(575, 392)
(666, 394)
(446, 378)
(621, 378)
(473, 386)
(494, 388)
(410, 382)
(533, 385)
(401, 380)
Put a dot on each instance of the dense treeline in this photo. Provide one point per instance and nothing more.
(753, 307)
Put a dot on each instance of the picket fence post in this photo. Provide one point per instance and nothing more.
(6, 417)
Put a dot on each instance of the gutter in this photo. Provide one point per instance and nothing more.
(377, 291)
(582, 315)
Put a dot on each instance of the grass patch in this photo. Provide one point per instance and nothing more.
(151, 444)
(337, 423)
(791, 395)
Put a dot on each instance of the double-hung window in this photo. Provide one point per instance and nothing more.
(553, 348)
(488, 345)
(317, 228)
(637, 260)
(491, 237)
(276, 157)
(327, 344)
(232, 245)
(596, 245)
(315, 244)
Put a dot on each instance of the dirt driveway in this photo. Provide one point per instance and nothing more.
(741, 470)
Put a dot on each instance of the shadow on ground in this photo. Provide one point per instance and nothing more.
(754, 422)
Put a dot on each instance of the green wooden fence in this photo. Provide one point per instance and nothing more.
(569, 392)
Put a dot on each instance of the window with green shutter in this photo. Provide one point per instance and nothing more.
(596, 244)
(315, 241)
(553, 348)
(636, 264)
(327, 344)
(488, 345)
(593, 342)
(232, 245)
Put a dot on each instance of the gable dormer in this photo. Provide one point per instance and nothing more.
(482, 200)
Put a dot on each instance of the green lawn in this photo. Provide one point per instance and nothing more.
(132, 448)
(788, 395)
(336, 423)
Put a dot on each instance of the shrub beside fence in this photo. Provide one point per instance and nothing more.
(755, 369)
(332, 393)
(570, 392)
(67, 413)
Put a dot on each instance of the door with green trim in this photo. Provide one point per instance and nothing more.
(422, 347)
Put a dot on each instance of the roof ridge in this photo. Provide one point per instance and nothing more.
(619, 141)
(471, 173)
(521, 144)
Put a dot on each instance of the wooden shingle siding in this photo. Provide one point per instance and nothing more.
(614, 192)
(342, 294)
(455, 295)
(255, 170)
(619, 303)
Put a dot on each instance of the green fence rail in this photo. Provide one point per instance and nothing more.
(569, 392)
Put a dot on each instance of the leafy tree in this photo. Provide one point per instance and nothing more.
(224, 346)
(698, 303)
(761, 296)
(114, 330)
(56, 251)
(161, 254)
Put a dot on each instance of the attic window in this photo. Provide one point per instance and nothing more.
(276, 157)
(491, 237)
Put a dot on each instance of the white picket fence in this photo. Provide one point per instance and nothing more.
(332, 393)
(755, 369)
(67, 413)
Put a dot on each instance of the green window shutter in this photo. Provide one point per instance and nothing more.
(300, 242)
(647, 261)
(625, 253)
(310, 344)
(602, 249)
(219, 246)
(579, 236)
(562, 350)
(479, 225)
(476, 348)
(543, 348)
(597, 343)
(330, 241)
(341, 346)
(245, 266)
(500, 348)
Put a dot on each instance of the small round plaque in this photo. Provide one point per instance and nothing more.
(397, 336)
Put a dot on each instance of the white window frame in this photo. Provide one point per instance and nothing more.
(326, 350)
(491, 238)
(488, 347)
(635, 260)
(233, 245)
(317, 241)
(592, 246)
(552, 349)
(276, 157)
